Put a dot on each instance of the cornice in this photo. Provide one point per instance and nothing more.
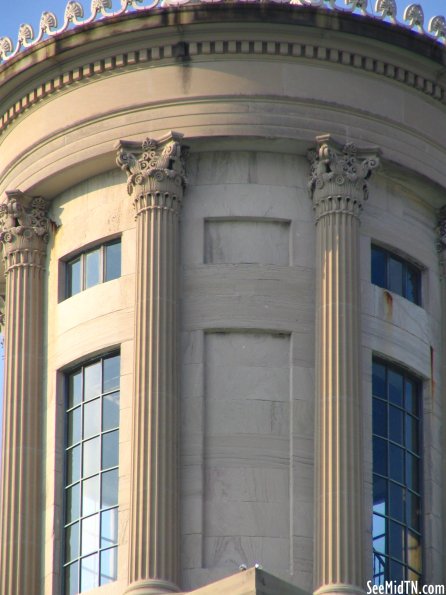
(228, 48)
(102, 11)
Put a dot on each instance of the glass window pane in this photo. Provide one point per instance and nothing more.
(379, 534)
(396, 501)
(109, 527)
(379, 495)
(74, 389)
(90, 572)
(395, 271)
(90, 534)
(91, 490)
(110, 411)
(73, 503)
(413, 510)
(112, 261)
(396, 541)
(412, 472)
(74, 277)
(73, 464)
(92, 418)
(395, 381)
(379, 380)
(110, 450)
(72, 542)
(380, 417)
(109, 488)
(109, 566)
(92, 381)
(111, 373)
(396, 463)
(379, 267)
(396, 571)
(414, 551)
(380, 563)
(396, 417)
(72, 579)
(74, 426)
(412, 437)
(91, 457)
(92, 268)
(379, 456)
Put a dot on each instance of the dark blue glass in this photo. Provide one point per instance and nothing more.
(380, 417)
(379, 267)
(379, 388)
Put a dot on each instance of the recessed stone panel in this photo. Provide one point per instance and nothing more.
(246, 447)
(247, 241)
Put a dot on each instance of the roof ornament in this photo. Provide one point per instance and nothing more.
(48, 22)
(74, 13)
(387, 8)
(360, 5)
(26, 35)
(437, 27)
(414, 15)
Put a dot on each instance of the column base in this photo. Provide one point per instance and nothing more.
(151, 586)
(339, 589)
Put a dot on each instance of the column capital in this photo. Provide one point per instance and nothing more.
(155, 169)
(338, 177)
(24, 228)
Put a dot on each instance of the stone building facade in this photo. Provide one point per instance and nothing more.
(223, 239)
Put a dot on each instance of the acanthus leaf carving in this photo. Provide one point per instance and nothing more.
(154, 167)
(338, 176)
(24, 223)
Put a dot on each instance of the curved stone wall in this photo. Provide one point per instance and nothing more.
(250, 88)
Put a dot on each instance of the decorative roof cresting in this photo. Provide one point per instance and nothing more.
(74, 16)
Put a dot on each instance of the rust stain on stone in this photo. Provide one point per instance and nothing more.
(388, 299)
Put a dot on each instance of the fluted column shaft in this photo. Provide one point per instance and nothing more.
(338, 188)
(156, 183)
(24, 237)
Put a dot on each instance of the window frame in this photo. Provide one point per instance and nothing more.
(81, 257)
(408, 266)
(390, 481)
(102, 470)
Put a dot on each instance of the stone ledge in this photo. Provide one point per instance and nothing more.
(253, 581)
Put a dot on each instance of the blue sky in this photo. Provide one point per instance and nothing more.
(13, 14)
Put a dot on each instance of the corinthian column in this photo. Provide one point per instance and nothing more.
(24, 236)
(338, 188)
(156, 183)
